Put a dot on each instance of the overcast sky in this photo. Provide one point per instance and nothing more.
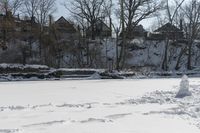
(62, 11)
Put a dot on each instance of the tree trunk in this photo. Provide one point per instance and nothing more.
(93, 34)
(179, 59)
(117, 52)
(88, 53)
(165, 60)
(189, 63)
(122, 51)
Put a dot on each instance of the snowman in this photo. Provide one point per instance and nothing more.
(184, 88)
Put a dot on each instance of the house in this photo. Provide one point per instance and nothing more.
(135, 32)
(28, 28)
(65, 28)
(167, 31)
(139, 31)
(6, 22)
(13, 25)
(7, 25)
(101, 30)
(28, 24)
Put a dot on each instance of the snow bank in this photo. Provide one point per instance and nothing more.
(18, 72)
(95, 76)
(20, 66)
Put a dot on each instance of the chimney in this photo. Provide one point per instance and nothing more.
(50, 20)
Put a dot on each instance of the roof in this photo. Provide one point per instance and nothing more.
(62, 20)
(101, 26)
(168, 28)
(139, 28)
(63, 24)
(101, 23)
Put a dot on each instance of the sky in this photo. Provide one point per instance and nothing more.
(62, 11)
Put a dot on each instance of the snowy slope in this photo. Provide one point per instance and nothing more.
(96, 106)
(150, 53)
(141, 53)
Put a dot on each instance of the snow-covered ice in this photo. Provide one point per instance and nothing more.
(96, 106)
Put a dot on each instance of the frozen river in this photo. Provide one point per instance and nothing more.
(96, 106)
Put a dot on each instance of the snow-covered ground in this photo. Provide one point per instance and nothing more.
(96, 106)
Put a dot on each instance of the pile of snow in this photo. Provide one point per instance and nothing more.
(95, 76)
(184, 88)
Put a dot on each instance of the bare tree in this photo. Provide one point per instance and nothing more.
(31, 7)
(89, 10)
(192, 18)
(8, 8)
(45, 8)
(170, 14)
(29, 10)
(132, 13)
(123, 44)
(38, 11)
(116, 29)
(12, 6)
(138, 10)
